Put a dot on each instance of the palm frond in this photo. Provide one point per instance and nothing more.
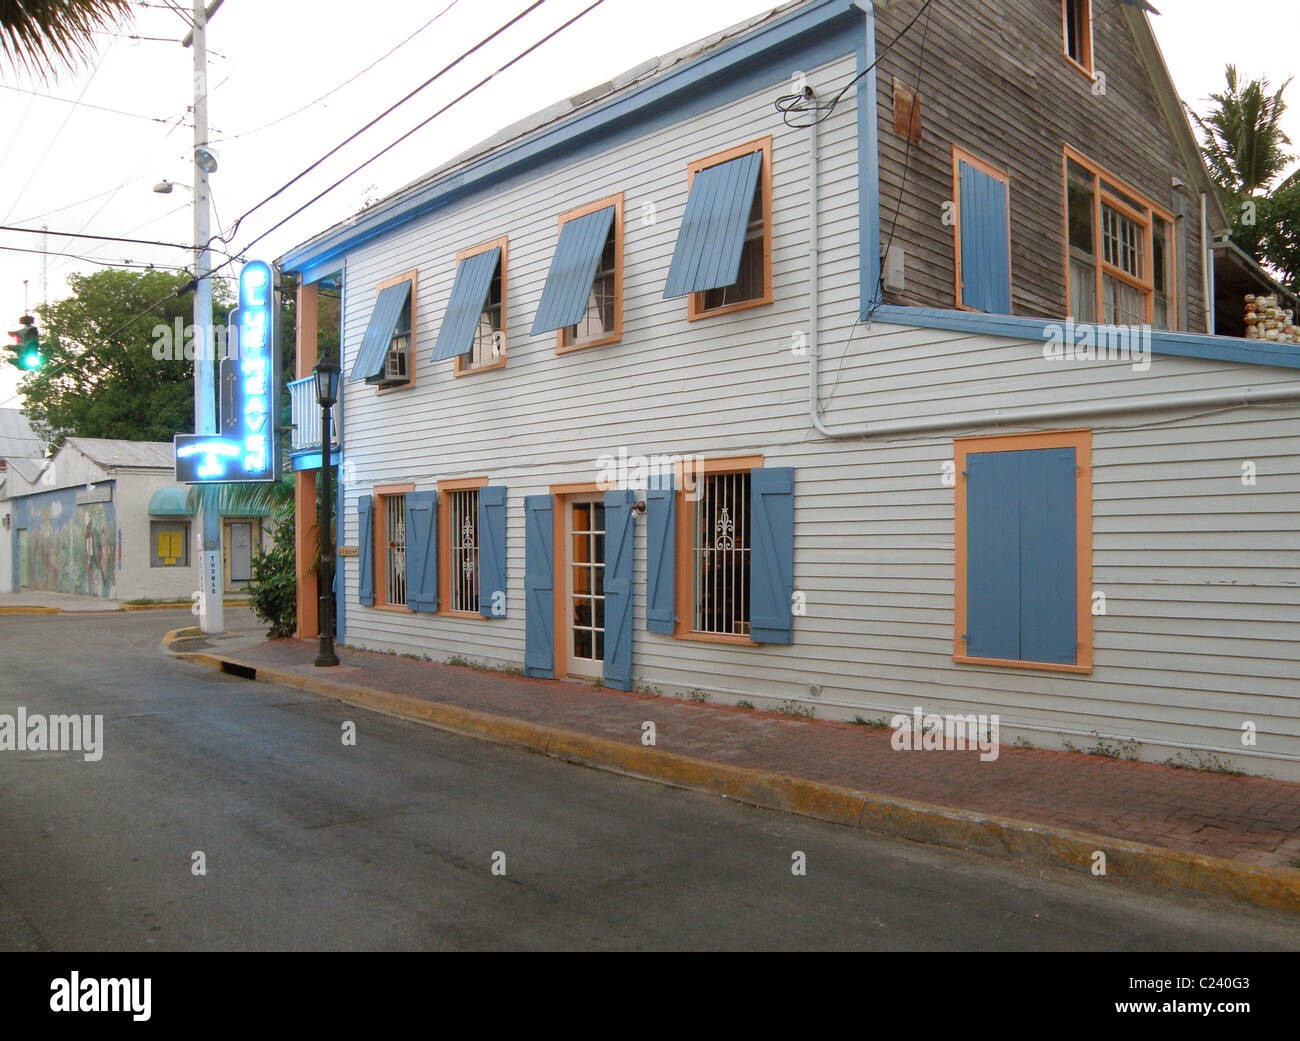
(42, 36)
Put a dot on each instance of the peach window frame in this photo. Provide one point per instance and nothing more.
(460, 368)
(563, 345)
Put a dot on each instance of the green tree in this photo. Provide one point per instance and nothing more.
(102, 378)
(41, 36)
(1245, 149)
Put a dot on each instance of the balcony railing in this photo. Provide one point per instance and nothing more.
(305, 415)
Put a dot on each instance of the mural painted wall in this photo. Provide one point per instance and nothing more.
(71, 548)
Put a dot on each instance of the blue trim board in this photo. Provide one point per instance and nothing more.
(1183, 345)
(807, 37)
(869, 259)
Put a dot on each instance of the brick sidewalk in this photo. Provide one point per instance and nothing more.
(1249, 819)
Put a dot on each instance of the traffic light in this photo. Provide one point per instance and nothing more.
(28, 354)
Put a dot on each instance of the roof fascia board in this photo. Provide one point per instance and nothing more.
(822, 30)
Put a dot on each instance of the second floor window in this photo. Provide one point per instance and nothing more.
(1076, 24)
(598, 322)
(1120, 250)
(397, 363)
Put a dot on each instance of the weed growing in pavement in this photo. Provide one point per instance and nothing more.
(745, 703)
(1207, 761)
(1022, 742)
(793, 708)
(872, 724)
(698, 696)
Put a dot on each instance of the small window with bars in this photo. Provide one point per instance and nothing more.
(462, 550)
(720, 549)
(599, 321)
(394, 547)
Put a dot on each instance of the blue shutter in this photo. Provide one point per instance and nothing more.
(985, 247)
(365, 552)
(771, 556)
(379, 332)
(712, 235)
(492, 551)
(660, 555)
(619, 537)
(573, 270)
(539, 585)
(468, 298)
(422, 551)
(993, 555)
(1048, 555)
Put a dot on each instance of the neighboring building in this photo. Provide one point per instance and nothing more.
(106, 518)
(17, 438)
(873, 486)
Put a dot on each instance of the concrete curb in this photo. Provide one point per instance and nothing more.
(922, 822)
(28, 610)
(178, 603)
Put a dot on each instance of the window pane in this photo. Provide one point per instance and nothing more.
(462, 537)
(1078, 192)
(487, 342)
(599, 319)
(1125, 305)
(1083, 291)
(749, 282)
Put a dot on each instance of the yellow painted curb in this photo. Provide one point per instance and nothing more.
(173, 635)
(178, 603)
(29, 610)
(904, 818)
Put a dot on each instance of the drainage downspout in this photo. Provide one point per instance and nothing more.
(996, 417)
(1207, 259)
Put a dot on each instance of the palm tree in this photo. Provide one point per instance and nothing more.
(41, 36)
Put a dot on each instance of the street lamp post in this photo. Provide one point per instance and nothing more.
(326, 373)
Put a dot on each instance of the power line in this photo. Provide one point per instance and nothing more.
(350, 79)
(85, 104)
(234, 228)
(418, 126)
(100, 238)
(91, 260)
(98, 65)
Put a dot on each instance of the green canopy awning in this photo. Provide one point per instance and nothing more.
(168, 502)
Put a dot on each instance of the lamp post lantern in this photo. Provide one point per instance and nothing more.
(326, 373)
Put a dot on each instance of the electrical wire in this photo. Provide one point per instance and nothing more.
(787, 104)
(234, 228)
(335, 90)
(85, 104)
(99, 238)
(91, 260)
(62, 126)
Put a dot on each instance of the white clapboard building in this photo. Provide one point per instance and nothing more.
(629, 395)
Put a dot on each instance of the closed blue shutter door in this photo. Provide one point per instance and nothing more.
(469, 295)
(712, 235)
(365, 552)
(422, 551)
(573, 270)
(993, 555)
(660, 555)
(539, 585)
(985, 248)
(619, 531)
(379, 333)
(1048, 556)
(492, 551)
(771, 556)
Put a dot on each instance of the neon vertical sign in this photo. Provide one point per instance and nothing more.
(246, 447)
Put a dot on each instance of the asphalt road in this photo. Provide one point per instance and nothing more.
(311, 844)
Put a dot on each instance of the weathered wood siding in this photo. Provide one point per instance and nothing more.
(994, 81)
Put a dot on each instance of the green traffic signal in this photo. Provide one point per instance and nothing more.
(27, 344)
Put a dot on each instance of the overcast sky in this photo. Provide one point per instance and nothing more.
(79, 168)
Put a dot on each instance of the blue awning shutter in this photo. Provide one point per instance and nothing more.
(993, 555)
(712, 235)
(573, 270)
(619, 531)
(661, 554)
(379, 332)
(985, 245)
(492, 551)
(539, 586)
(365, 552)
(771, 559)
(422, 551)
(469, 296)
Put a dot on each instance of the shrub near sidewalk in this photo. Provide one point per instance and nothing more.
(273, 591)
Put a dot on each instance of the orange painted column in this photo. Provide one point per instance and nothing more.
(304, 497)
